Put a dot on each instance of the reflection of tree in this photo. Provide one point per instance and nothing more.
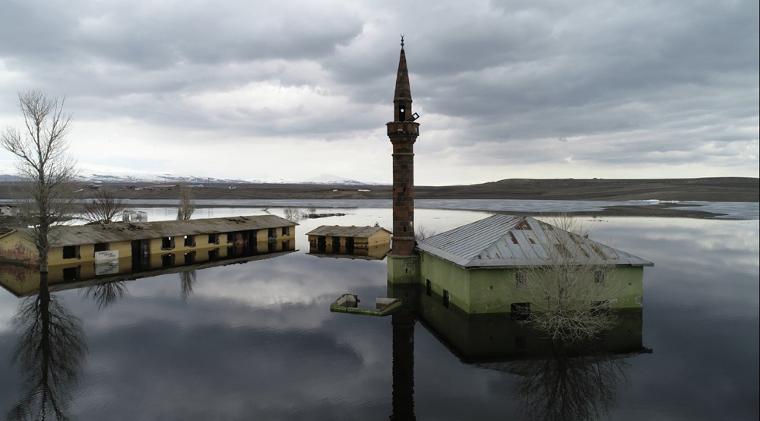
(106, 293)
(570, 385)
(49, 353)
(186, 281)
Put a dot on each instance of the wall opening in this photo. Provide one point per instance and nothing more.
(520, 311)
(445, 298)
(71, 274)
(101, 247)
(213, 238)
(167, 259)
(167, 243)
(428, 287)
(189, 241)
(70, 252)
(521, 279)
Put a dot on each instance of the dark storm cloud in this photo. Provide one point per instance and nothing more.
(681, 76)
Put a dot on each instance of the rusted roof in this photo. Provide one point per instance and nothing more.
(345, 231)
(518, 241)
(73, 235)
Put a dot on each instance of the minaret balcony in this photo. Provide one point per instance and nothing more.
(403, 127)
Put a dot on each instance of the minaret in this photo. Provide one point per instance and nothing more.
(403, 132)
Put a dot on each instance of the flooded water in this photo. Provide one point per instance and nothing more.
(256, 340)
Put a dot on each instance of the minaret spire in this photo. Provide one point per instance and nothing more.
(403, 131)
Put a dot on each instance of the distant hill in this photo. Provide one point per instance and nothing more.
(716, 189)
(171, 178)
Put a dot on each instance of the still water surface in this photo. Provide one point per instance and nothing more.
(257, 340)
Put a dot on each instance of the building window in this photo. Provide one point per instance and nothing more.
(167, 259)
(167, 243)
(189, 241)
(70, 252)
(445, 298)
(101, 247)
(285, 230)
(599, 276)
(428, 287)
(71, 274)
(230, 237)
(189, 258)
(213, 238)
(520, 311)
(521, 279)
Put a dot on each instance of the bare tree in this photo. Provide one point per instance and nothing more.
(40, 148)
(422, 232)
(103, 208)
(570, 294)
(186, 204)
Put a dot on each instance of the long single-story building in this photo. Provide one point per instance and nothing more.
(141, 242)
(23, 280)
(485, 266)
(344, 239)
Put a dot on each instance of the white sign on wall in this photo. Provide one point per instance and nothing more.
(107, 268)
(106, 256)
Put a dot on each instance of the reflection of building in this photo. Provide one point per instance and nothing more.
(487, 338)
(142, 242)
(484, 267)
(371, 253)
(359, 241)
(131, 215)
(553, 381)
(23, 280)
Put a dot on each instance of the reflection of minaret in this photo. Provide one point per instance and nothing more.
(403, 366)
(403, 133)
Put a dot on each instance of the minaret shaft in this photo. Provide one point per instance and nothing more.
(403, 132)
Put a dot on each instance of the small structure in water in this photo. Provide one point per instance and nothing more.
(353, 240)
(349, 303)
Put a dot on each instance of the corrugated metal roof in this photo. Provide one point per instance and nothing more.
(506, 240)
(345, 231)
(121, 231)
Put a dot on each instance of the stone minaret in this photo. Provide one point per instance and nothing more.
(403, 132)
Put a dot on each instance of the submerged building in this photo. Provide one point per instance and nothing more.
(365, 241)
(146, 242)
(484, 267)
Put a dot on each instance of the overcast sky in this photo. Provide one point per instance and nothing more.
(296, 89)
